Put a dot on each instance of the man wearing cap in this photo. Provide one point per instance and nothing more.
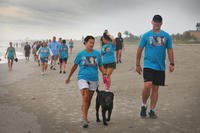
(155, 42)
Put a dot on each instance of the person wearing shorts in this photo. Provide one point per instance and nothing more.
(71, 45)
(44, 53)
(54, 46)
(10, 53)
(89, 61)
(119, 46)
(108, 58)
(155, 42)
(63, 55)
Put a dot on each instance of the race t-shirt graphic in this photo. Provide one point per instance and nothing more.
(44, 51)
(89, 61)
(64, 49)
(107, 49)
(157, 40)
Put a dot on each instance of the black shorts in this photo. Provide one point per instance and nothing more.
(110, 65)
(63, 60)
(118, 48)
(155, 76)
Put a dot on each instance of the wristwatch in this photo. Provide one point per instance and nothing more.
(172, 64)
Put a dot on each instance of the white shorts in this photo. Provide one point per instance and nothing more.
(91, 85)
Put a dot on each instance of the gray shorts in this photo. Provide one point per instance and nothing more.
(91, 85)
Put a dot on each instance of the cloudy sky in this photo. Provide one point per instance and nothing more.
(41, 19)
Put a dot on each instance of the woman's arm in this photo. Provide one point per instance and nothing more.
(15, 53)
(102, 70)
(73, 69)
(6, 52)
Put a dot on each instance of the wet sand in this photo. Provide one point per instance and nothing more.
(31, 103)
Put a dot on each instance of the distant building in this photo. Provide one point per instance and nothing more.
(196, 33)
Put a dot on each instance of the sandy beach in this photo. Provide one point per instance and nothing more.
(31, 103)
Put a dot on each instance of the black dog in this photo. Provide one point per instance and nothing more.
(105, 100)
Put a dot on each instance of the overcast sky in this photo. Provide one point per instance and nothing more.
(41, 19)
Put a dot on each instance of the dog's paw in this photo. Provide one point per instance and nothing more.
(98, 120)
(107, 119)
(105, 124)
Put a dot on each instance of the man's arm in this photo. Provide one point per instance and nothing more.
(170, 55)
(171, 59)
(138, 58)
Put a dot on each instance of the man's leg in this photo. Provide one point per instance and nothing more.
(145, 96)
(153, 102)
(64, 66)
(154, 96)
(146, 92)
(61, 63)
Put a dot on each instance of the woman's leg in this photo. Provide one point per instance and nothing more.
(70, 50)
(119, 55)
(11, 64)
(90, 97)
(9, 68)
(42, 67)
(45, 67)
(85, 103)
(109, 73)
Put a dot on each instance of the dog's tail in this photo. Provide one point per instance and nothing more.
(97, 90)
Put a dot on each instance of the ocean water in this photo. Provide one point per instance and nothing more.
(3, 48)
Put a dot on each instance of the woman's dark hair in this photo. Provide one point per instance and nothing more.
(105, 36)
(87, 38)
(64, 41)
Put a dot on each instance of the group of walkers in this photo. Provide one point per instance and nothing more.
(54, 51)
(155, 43)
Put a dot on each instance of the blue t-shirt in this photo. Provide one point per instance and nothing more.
(108, 53)
(44, 52)
(63, 50)
(155, 49)
(88, 65)
(54, 46)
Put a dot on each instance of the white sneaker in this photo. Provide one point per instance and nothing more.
(42, 73)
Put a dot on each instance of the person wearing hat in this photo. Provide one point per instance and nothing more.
(155, 42)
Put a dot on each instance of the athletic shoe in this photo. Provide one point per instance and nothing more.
(152, 114)
(85, 124)
(143, 113)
